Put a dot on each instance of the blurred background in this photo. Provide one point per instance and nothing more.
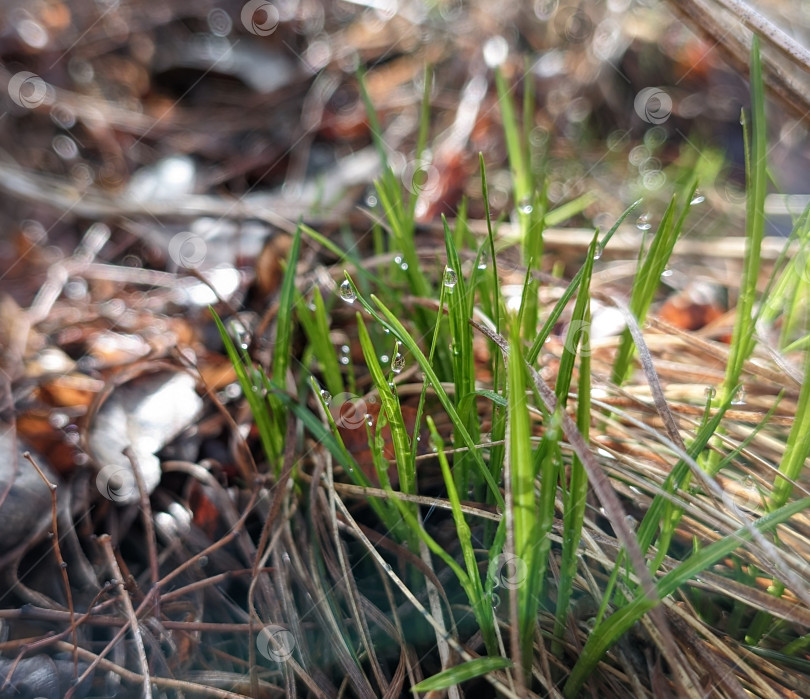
(133, 113)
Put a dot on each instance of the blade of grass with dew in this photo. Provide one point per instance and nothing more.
(392, 409)
(424, 124)
(648, 278)
(602, 638)
(521, 176)
(252, 386)
(461, 673)
(530, 217)
(533, 207)
(483, 611)
(576, 496)
(383, 315)
(316, 329)
(333, 442)
(744, 333)
(400, 219)
(458, 295)
(568, 294)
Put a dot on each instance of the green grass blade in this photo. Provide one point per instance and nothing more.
(521, 177)
(252, 384)
(523, 508)
(615, 626)
(570, 209)
(483, 611)
(797, 448)
(316, 328)
(461, 673)
(387, 318)
(555, 314)
(648, 278)
(578, 328)
(392, 409)
(576, 499)
(743, 334)
(458, 296)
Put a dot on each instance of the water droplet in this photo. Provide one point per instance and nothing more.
(398, 260)
(384, 359)
(369, 420)
(643, 222)
(404, 266)
(450, 278)
(525, 207)
(386, 330)
(58, 419)
(346, 292)
(666, 273)
(239, 333)
(598, 252)
(397, 363)
(697, 199)
(344, 349)
(739, 396)
(483, 260)
(326, 395)
(710, 392)
(371, 200)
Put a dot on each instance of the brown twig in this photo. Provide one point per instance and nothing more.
(106, 545)
(61, 561)
(148, 521)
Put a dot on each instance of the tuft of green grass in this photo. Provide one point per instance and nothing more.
(510, 450)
